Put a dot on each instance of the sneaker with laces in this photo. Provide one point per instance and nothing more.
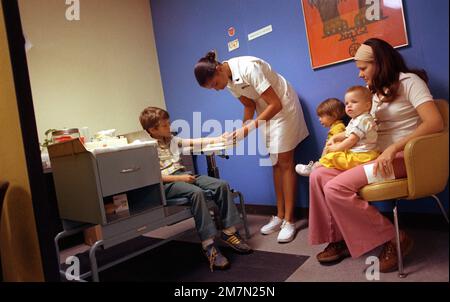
(304, 170)
(388, 256)
(287, 232)
(334, 252)
(215, 258)
(236, 242)
(273, 225)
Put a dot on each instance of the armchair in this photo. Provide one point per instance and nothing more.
(426, 160)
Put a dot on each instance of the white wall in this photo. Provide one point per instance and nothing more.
(99, 72)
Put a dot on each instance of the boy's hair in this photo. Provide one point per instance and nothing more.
(151, 117)
(363, 91)
(331, 107)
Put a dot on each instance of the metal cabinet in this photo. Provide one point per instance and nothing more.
(85, 182)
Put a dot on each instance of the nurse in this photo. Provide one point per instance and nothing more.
(278, 111)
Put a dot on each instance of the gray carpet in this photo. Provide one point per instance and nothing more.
(427, 262)
(184, 261)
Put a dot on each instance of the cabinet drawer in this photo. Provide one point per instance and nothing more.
(128, 169)
(133, 226)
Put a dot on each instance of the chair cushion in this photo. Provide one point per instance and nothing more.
(385, 190)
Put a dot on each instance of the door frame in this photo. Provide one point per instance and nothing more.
(46, 217)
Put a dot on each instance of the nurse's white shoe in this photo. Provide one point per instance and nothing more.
(287, 232)
(273, 225)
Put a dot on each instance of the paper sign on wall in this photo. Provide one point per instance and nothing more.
(232, 45)
(260, 32)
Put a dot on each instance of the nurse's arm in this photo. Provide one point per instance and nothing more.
(249, 108)
(273, 105)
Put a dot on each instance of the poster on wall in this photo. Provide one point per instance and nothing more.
(336, 28)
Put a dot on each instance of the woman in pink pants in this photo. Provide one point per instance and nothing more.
(404, 109)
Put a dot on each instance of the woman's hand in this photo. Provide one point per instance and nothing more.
(185, 178)
(383, 164)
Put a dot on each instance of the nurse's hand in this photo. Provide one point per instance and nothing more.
(226, 136)
(239, 134)
(219, 139)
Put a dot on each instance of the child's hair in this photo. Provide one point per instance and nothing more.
(151, 117)
(332, 107)
(363, 91)
(205, 68)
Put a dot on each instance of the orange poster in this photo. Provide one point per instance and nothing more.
(336, 28)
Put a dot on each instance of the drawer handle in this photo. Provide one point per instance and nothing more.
(141, 228)
(131, 170)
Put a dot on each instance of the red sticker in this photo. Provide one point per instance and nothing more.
(231, 31)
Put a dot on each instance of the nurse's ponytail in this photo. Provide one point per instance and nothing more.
(206, 68)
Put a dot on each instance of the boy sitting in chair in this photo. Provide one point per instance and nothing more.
(178, 183)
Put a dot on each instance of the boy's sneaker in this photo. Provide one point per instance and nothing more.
(215, 258)
(304, 170)
(287, 232)
(236, 242)
(273, 225)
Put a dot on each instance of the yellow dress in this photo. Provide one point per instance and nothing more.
(364, 151)
(345, 160)
(336, 127)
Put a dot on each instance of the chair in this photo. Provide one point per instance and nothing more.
(3, 188)
(188, 162)
(426, 175)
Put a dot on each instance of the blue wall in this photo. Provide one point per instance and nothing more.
(186, 30)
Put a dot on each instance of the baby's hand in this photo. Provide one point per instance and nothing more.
(332, 148)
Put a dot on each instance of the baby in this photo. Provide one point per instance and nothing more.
(358, 144)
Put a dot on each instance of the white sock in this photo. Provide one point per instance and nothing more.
(230, 231)
(207, 242)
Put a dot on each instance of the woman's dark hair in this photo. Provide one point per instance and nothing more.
(206, 68)
(388, 65)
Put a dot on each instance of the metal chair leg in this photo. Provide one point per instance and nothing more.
(93, 260)
(401, 273)
(244, 215)
(441, 207)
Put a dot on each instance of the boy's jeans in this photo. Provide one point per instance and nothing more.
(194, 192)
